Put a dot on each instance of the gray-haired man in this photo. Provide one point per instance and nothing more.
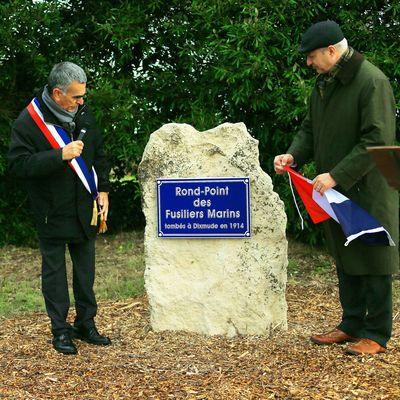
(351, 107)
(57, 149)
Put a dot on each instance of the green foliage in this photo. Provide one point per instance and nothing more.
(125, 213)
(30, 34)
(202, 62)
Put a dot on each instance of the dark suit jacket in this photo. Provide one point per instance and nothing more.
(61, 204)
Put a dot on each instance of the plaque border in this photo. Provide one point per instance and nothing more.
(245, 235)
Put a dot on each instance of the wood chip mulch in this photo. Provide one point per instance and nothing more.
(142, 364)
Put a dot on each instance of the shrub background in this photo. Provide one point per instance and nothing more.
(202, 62)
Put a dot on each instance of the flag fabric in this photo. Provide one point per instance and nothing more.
(354, 221)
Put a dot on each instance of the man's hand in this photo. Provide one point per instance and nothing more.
(323, 182)
(282, 160)
(102, 201)
(72, 150)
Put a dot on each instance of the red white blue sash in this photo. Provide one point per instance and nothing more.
(58, 138)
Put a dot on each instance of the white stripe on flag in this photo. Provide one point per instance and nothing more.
(375, 230)
(333, 196)
(323, 202)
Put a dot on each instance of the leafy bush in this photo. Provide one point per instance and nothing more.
(202, 62)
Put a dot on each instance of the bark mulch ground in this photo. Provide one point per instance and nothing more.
(142, 364)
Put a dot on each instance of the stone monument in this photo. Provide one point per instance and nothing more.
(214, 286)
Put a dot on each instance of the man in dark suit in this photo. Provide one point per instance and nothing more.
(57, 150)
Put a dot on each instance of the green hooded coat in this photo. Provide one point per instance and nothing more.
(356, 110)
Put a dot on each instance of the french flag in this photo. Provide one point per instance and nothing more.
(355, 222)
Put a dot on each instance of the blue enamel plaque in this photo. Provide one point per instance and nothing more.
(203, 208)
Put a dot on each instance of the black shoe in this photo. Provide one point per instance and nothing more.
(63, 344)
(91, 335)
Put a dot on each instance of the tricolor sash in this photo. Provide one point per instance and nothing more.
(59, 138)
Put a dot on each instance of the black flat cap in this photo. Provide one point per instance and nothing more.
(321, 34)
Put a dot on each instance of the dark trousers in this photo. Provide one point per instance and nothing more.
(367, 306)
(55, 286)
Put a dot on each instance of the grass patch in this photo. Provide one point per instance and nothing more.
(20, 296)
(120, 266)
(122, 281)
(119, 273)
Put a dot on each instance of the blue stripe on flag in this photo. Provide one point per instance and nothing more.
(353, 220)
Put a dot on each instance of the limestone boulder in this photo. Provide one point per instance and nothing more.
(214, 286)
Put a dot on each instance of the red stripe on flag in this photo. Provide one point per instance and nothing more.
(305, 191)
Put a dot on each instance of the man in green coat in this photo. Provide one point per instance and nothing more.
(351, 107)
